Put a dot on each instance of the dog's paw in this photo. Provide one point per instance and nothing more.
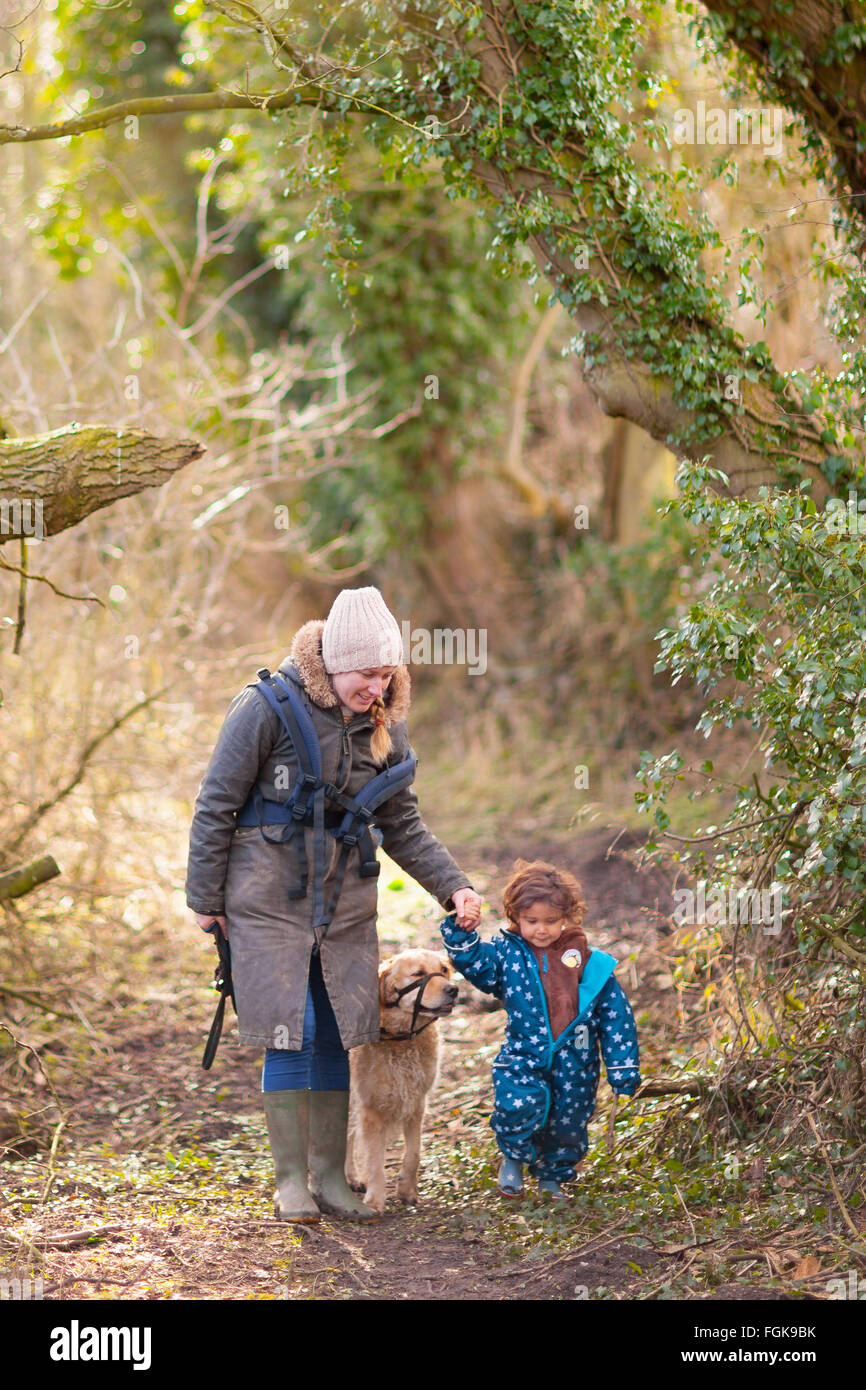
(376, 1200)
(408, 1193)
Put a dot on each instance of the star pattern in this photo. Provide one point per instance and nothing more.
(544, 1089)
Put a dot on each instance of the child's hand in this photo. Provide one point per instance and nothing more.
(467, 905)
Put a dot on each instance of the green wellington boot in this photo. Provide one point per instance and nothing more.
(288, 1116)
(329, 1118)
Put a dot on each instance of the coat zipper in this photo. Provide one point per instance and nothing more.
(582, 1014)
(345, 752)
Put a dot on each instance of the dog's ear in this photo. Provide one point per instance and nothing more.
(384, 970)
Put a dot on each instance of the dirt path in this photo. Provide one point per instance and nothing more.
(160, 1186)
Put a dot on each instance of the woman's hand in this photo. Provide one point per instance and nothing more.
(204, 919)
(467, 905)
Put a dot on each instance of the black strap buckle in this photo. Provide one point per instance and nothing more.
(306, 783)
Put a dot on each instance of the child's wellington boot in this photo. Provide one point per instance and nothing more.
(552, 1188)
(510, 1181)
(329, 1119)
(288, 1116)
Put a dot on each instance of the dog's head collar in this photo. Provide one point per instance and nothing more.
(394, 1003)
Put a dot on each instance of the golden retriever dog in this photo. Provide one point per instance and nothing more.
(391, 1079)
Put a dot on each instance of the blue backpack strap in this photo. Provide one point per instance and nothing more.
(298, 724)
(354, 829)
(310, 787)
(293, 708)
(295, 719)
(290, 825)
(359, 809)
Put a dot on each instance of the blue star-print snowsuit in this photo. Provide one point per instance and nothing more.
(544, 1087)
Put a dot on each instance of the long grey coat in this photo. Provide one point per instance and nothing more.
(234, 872)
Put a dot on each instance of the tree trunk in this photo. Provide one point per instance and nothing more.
(519, 114)
(831, 98)
(760, 437)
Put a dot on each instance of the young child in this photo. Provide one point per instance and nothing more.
(562, 1001)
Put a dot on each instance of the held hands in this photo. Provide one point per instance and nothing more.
(467, 905)
(204, 920)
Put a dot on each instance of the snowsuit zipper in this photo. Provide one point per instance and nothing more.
(546, 1016)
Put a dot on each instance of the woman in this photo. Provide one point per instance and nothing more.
(298, 904)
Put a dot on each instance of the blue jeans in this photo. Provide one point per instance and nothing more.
(322, 1064)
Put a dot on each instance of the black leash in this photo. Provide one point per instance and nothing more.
(222, 980)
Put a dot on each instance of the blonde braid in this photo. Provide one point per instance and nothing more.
(380, 741)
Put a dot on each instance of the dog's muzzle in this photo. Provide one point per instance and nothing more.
(439, 1011)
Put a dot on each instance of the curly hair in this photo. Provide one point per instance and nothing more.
(537, 881)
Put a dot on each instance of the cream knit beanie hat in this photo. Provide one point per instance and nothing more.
(360, 633)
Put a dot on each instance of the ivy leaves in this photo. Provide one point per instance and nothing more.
(778, 639)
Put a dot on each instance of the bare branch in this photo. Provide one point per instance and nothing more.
(43, 579)
(177, 104)
(87, 752)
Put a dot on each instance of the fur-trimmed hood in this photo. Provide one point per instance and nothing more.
(306, 657)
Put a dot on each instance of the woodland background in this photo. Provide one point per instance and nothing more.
(457, 316)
